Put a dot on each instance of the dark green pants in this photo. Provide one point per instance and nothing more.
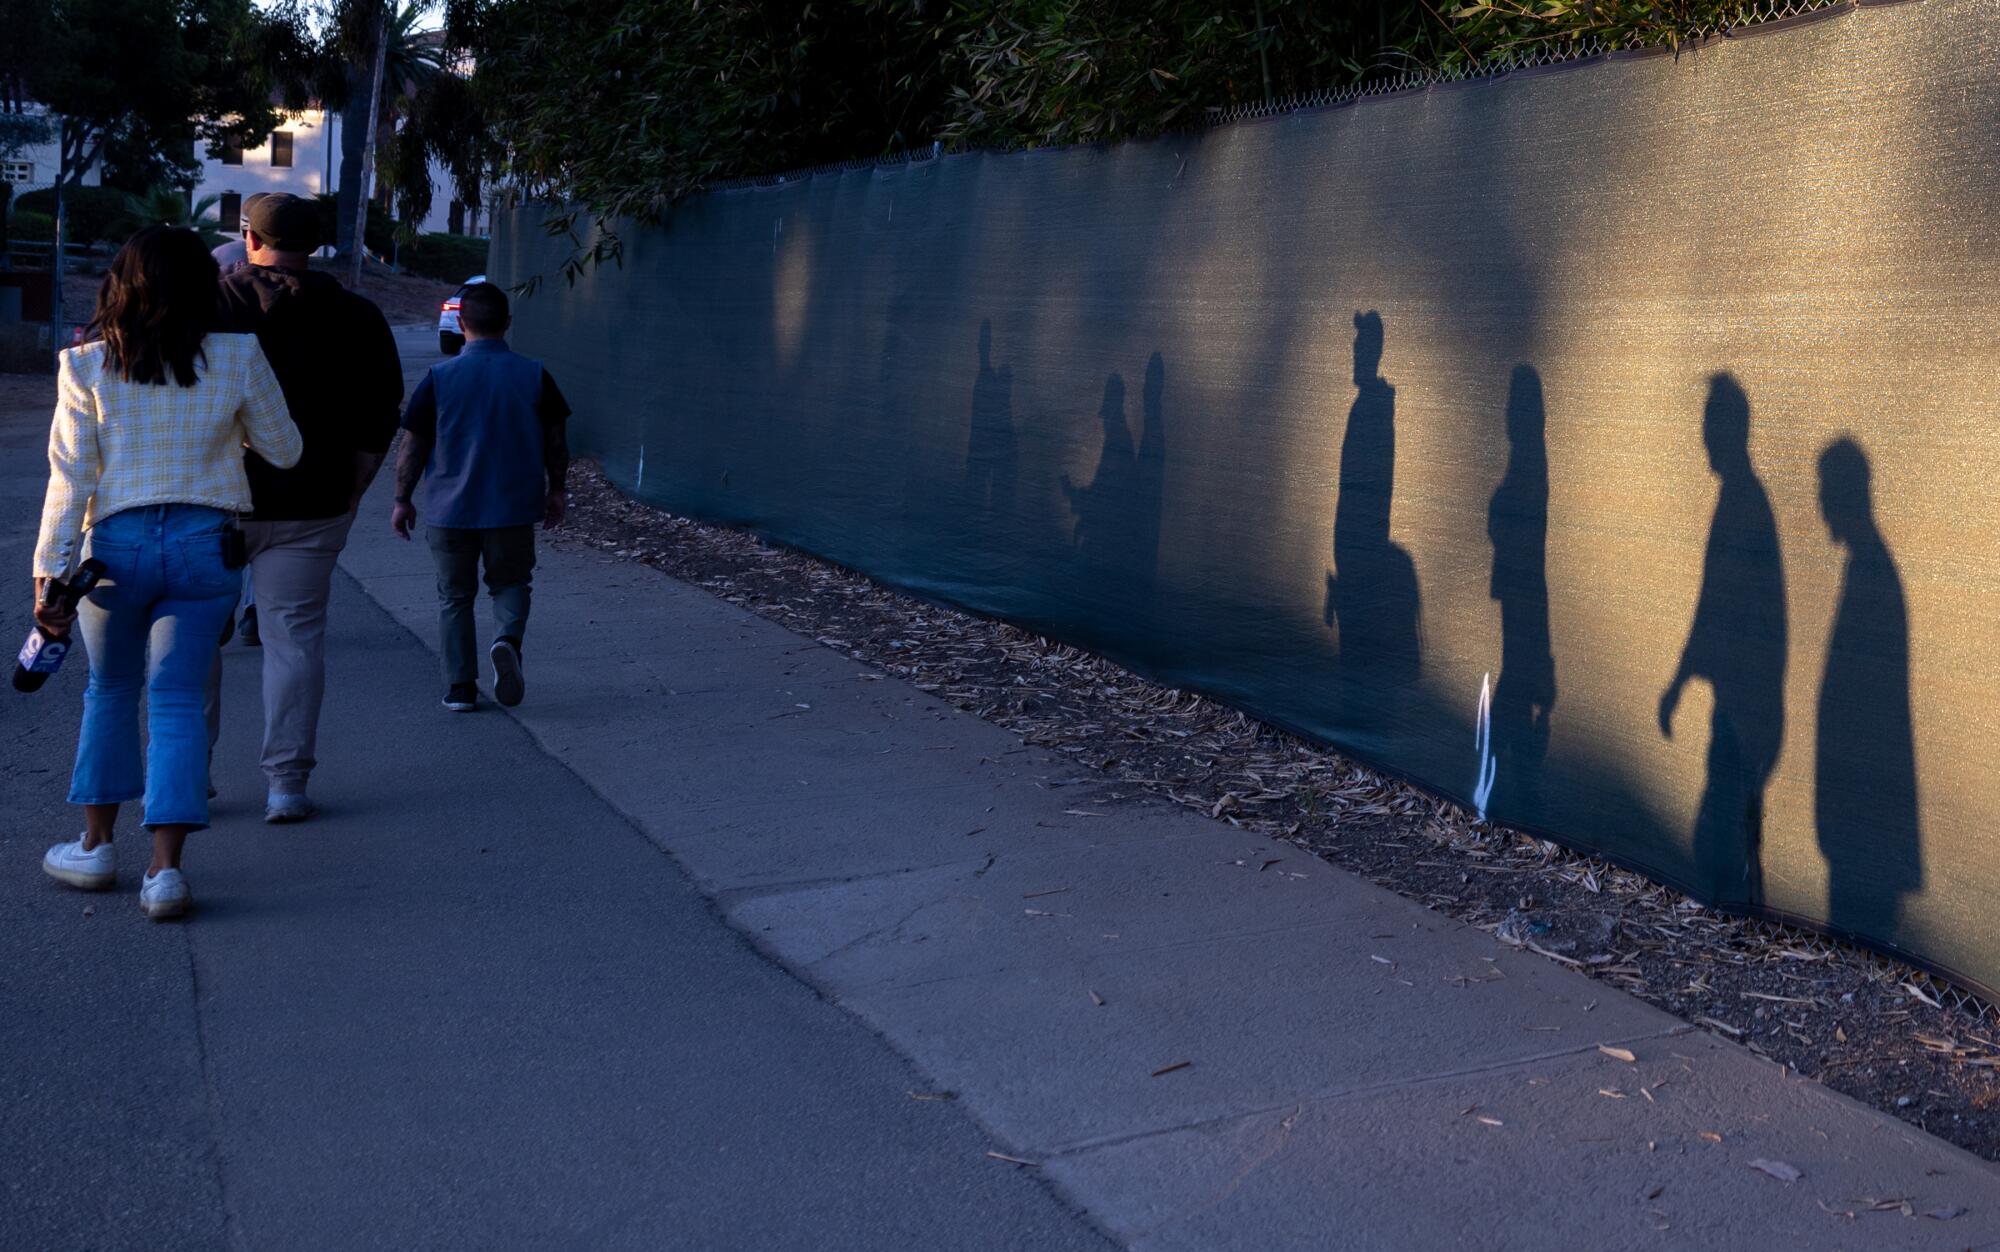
(509, 556)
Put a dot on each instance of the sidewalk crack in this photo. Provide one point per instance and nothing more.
(1296, 1103)
(232, 1228)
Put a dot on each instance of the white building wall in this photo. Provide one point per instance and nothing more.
(315, 163)
(315, 169)
(37, 164)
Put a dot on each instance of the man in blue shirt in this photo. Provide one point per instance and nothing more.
(484, 434)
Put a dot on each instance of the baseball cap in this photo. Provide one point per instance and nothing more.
(284, 222)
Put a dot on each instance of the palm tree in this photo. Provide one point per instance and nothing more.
(167, 206)
(412, 59)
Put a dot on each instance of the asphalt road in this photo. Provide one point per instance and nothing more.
(468, 1006)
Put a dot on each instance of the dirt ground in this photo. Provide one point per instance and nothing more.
(405, 299)
(1875, 1029)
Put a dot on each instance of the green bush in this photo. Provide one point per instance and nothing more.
(453, 258)
(93, 212)
(24, 224)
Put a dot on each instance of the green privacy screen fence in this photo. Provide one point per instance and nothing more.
(1613, 447)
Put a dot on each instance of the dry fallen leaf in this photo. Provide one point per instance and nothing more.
(1776, 1169)
(1618, 1054)
(1096, 999)
(1492, 1121)
(1922, 995)
(1613, 1092)
(1711, 1136)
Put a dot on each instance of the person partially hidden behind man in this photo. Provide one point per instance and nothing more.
(484, 435)
(335, 357)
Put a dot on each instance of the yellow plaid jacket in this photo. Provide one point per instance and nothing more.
(116, 445)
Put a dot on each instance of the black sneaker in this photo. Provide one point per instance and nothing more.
(247, 632)
(508, 687)
(462, 698)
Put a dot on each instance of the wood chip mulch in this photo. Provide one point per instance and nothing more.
(1878, 1030)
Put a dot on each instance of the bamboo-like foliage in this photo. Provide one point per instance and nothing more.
(623, 106)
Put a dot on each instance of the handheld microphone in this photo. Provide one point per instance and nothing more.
(43, 653)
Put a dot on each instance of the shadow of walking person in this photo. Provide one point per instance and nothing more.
(1517, 521)
(1738, 643)
(1117, 534)
(1372, 597)
(1865, 772)
(990, 456)
(1097, 505)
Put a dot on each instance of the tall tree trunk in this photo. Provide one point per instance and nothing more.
(368, 153)
(354, 132)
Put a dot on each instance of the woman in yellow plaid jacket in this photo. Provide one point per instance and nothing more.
(146, 476)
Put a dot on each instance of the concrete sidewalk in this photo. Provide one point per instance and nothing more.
(467, 1006)
(1207, 1039)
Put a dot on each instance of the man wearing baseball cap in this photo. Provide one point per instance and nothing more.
(336, 360)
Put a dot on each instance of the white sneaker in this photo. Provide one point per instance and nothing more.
(93, 870)
(164, 894)
(284, 806)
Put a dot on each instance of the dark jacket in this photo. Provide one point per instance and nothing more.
(336, 359)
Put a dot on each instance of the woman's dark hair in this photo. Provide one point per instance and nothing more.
(156, 304)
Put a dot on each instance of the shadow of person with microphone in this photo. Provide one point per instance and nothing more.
(1738, 643)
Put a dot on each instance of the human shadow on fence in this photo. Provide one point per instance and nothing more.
(1865, 774)
(1117, 514)
(991, 457)
(1372, 598)
(1738, 644)
(1517, 523)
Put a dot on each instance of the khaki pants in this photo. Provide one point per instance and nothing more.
(293, 565)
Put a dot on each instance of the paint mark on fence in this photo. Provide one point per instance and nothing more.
(1482, 742)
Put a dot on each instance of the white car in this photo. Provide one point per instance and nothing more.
(450, 337)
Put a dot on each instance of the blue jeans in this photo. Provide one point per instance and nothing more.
(153, 622)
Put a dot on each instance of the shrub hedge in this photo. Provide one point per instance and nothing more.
(92, 211)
